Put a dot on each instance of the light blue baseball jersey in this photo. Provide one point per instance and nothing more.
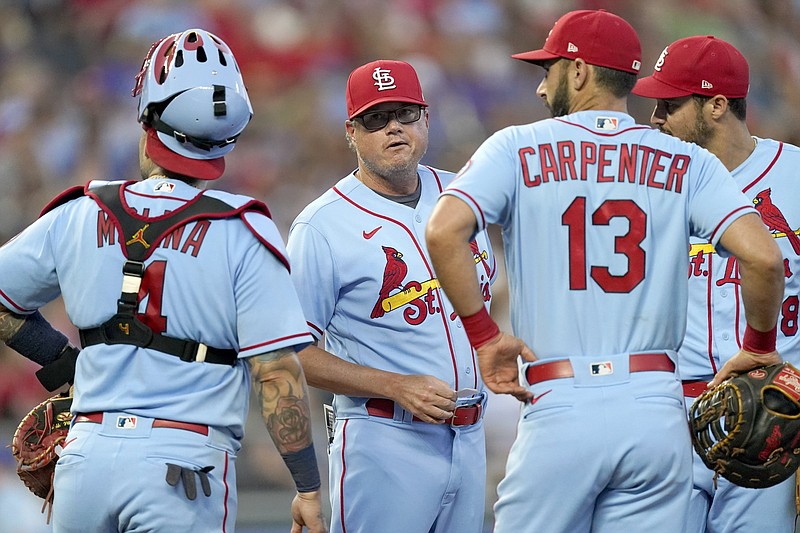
(716, 320)
(213, 281)
(362, 272)
(715, 326)
(594, 210)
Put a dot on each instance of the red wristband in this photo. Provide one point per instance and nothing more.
(480, 328)
(759, 341)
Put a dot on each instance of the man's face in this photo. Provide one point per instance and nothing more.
(396, 148)
(683, 118)
(553, 88)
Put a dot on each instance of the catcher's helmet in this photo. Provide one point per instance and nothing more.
(747, 429)
(192, 94)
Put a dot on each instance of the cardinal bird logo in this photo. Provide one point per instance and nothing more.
(393, 276)
(774, 219)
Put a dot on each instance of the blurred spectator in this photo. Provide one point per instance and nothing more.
(67, 67)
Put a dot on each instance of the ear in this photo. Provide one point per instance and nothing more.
(580, 74)
(718, 105)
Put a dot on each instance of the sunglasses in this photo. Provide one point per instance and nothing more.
(377, 120)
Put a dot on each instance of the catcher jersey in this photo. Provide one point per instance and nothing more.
(595, 209)
(362, 272)
(213, 281)
(716, 320)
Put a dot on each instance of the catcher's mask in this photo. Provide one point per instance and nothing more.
(747, 429)
(191, 93)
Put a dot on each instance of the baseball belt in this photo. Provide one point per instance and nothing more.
(464, 415)
(97, 418)
(692, 388)
(639, 362)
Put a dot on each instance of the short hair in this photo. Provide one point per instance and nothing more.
(738, 106)
(618, 82)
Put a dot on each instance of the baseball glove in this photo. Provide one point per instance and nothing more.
(37, 441)
(747, 429)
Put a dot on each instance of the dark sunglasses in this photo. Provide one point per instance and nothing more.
(377, 120)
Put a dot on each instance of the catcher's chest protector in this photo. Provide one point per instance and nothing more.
(138, 238)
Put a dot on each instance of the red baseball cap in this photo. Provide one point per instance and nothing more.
(382, 81)
(598, 37)
(204, 169)
(701, 65)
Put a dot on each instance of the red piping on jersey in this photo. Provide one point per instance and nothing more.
(315, 328)
(729, 215)
(273, 341)
(710, 317)
(227, 491)
(435, 175)
(471, 199)
(341, 480)
(766, 170)
(737, 293)
(14, 304)
(427, 266)
(601, 134)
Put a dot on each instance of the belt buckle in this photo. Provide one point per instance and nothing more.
(466, 399)
(476, 408)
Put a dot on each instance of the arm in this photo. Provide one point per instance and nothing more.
(449, 230)
(280, 386)
(427, 397)
(762, 284)
(33, 337)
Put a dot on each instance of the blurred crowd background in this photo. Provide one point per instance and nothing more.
(67, 116)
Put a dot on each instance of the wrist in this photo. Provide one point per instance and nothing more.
(759, 342)
(303, 467)
(480, 327)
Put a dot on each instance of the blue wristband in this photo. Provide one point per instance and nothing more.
(303, 466)
(38, 340)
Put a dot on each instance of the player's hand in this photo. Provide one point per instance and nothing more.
(307, 512)
(742, 362)
(428, 398)
(498, 362)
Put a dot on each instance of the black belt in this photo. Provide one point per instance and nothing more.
(189, 351)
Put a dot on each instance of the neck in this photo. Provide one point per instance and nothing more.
(397, 185)
(732, 144)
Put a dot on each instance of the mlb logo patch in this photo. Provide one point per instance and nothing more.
(126, 422)
(606, 123)
(164, 187)
(602, 369)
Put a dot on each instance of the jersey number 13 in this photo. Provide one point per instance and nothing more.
(628, 244)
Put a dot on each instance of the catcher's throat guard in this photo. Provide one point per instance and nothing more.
(747, 429)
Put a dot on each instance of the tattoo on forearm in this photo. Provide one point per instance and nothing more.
(281, 392)
(290, 424)
(10, 324)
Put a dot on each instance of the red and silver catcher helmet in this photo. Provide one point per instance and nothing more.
(192, 94)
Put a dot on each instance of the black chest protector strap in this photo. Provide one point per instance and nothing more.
(138, 238)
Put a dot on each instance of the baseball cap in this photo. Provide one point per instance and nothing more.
(701, 65)
(597, 36)
(382, 81)
(204, 169)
